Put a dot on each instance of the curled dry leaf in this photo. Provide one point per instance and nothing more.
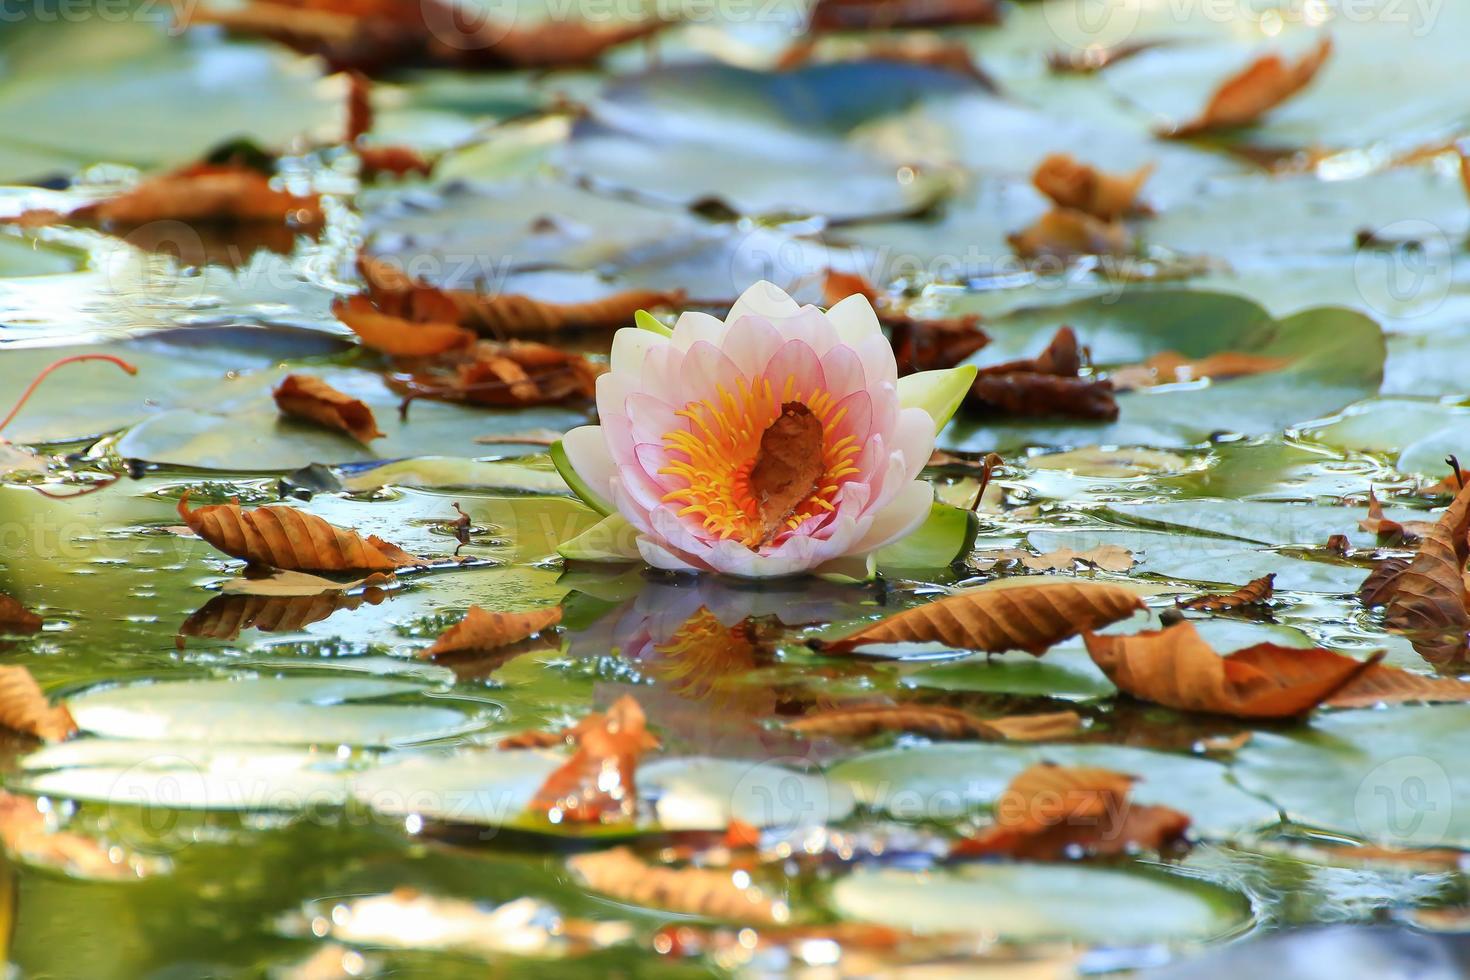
(408, 326)
(787, 468)
(925, 50)
(1447, 487)
(1045, 385)
(708, 892)
(1429, 595)
(1247, 96)
(597, 783)
(1252, 593)
(1075, 185)
(1389, 685)
(24, 708)
(882, 15)
(286, 538)
(1065, 233)
(932, 721)
(1338, 544)
(481, 630)
(1175, 667)
(513, 374)
(1050, 813)
(1389, 531)
(1382, 581)
(221, 193)
(1062, 357)
(1170, 367)
(374, 160)
(1030, 617)
(311, 398)
(15, 618)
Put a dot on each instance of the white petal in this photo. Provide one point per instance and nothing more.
(660, 557)
(693, 327)
(909, 509)
(629, 347)
(854, 318)
(763, 299)
(587, 451)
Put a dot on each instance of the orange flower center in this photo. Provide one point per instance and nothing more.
(714, 456)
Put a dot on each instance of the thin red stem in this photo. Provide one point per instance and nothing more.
(30, 389)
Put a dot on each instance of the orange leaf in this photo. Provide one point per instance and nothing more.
(481, 630)
(1028, 617)
(1063, 233)
(28, 834)
(1389, 685)
(1042, 727)
(1075, 185)
(15, 618)
(286, 538)
(883, 15)
(24, 708)
(517, 373)
(704, 892)
(1175, 667)
(204, 193)
(597, 783)
(1390, 531)
(1252, 593)
(396, 335)
(1260, 87)
(1382, 581)
(1170, 367)
(787, 467)
(933, 721)
(1429, 594)
(312, 398)
(396, 160)
(1050, 812)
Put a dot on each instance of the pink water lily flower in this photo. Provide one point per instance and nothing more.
(683, 414)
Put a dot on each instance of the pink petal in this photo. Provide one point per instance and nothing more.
(795, 372)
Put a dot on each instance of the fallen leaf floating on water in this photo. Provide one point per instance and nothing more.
(291, 540)
(1077, 186)
(1030, 617)
(1390, 685)
(882, 15)
(1429, 594)
(918, 344)
(1381, 582)
(1044, 386)
(376, 159)
(1064, 233)
(933, 721)
(1169, 367)
(513, 374)
(1086, 61)
(1052, 813)
(705, 892)
(597, 783)
(787, 467)
(15, 618)
(24, 708)
(1389, 531)
(1109, 557)
(1175, 667)
(29, 835)
(406, 327)
(1247, 96)
(1253, 593)
(1447, 487)
(311, 398)
(481, 630)
(504, 314)
(924, 50)
(376, 36)
(1338, 544)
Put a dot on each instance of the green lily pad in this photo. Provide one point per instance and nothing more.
(1035, 903)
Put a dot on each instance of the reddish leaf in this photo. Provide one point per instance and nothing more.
(1261, 86)
(284, 537)
(1063, 233)
(1389, 685)
(597, 783)
(1029, 617)
(481, 630)
(1252, 593)
(1175, 667)
(1429, 595)
(516, 373)
(312, 398)
(1050, 813)
(220, 193)
(882, 15)
(1382, 581)
(787, 468)
(24, 708)
(1077, 186)
(15, 618)
(1169, 367)
(398, 335)
(1043, 396)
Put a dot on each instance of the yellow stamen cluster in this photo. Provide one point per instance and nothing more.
(714, 456)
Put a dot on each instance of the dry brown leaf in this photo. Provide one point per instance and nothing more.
(1447, 487)
(1429, 594)
(1246, 96)
(1109, 557)
(925, 50)
(1075, 185)
(24, 708)
(15, 618)
(1062, 357)
(1030, 617)
(311, 398)
(1085, 61)
(918, 344)
(1042, 727)
(1380, 583)
(397, 335)
(1064, 233)
(1389, 685)
(933, 721)
(223, 193)
(705, 892)
(882, 15)
(286, 538)
(513, 374)
(481, 630)
(1170, 367)
(224, 617)
(787, 467)
(1389, 531)
(597, 783)
(1050, 812)
(1252, 593)
(1339, 545)
(1043, 396)
(1175, 667)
